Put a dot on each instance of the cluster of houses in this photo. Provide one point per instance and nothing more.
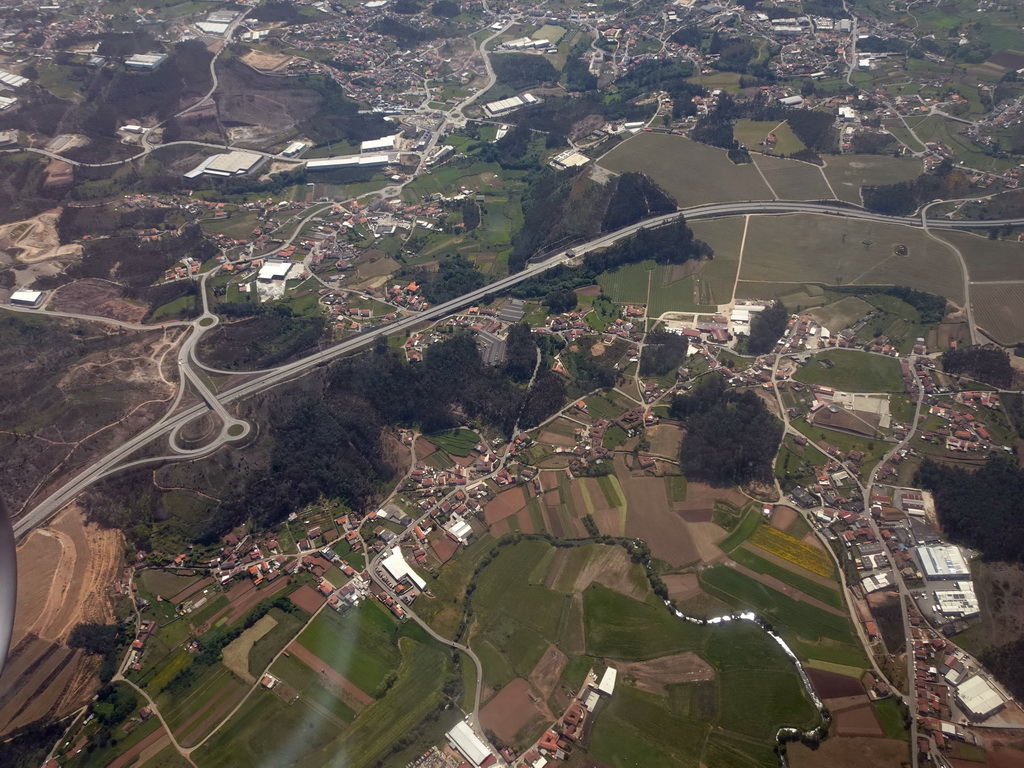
(964, 432)
(557, 743)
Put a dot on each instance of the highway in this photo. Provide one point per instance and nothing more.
(262, 381)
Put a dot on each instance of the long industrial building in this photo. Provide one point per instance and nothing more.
(469, 745)
(945, 562)
(351, 161)
(504, 106)
(227, 164)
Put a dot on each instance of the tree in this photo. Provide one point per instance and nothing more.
(766, 328)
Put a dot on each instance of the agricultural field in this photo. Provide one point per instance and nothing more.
(754, 132)
(266, 721)
(997, 311)
(359, 644)
(809, 587)
(796, 620)
(840, 314)
(457, 442)
(692, 173)
(792, 550)
(792, 179)
(852, 371)
(688, 726)
(848, 173)
(830, 250)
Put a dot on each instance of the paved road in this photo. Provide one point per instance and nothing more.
(265, 380)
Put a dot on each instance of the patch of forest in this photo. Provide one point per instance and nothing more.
(325, 437)
(989, 364)
(23, 189)
(731, 436)
(522, 70)
(980, 509)
(271, 336)
(663, 353)
(562, 208)
(766, 328)
(905, 197)
(138, 263)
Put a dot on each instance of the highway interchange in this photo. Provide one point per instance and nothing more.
(234, 430)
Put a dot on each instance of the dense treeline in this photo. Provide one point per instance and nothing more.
(522, 70)
(672, 243)
(731, 436)
(520, 353)
(560, 116)
(330, 444)
(766, 328)
(455, 276)
(337, 117)
(981, 509)
(663, 352)
(138, 263)
(576, 71)
(29, 746)
(516, 150)
(275, 10)
(273, 335)
(23, 190)
(74, 223)
(932, 308)
(636, 197)
(988, 364)
(214, 641)
(905, 197)
(1004, 662)
(558, 209)
(104, 640)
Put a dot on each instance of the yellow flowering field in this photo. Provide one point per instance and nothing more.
(795, 551)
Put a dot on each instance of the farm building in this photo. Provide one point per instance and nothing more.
(399, 569)
(978, 699)
(274, 270)
(383, 144)
(145, 61)
(25, 298)
(943, 562)
(607, 684)
(12, 80)
(469, 745)
(458, 529)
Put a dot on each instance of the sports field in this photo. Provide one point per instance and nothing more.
(848, 173)
(853, 371)
(826, 249)
(692, 173)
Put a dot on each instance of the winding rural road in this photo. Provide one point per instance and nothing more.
(262, 381)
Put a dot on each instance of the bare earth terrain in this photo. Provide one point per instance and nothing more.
(64, 575)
